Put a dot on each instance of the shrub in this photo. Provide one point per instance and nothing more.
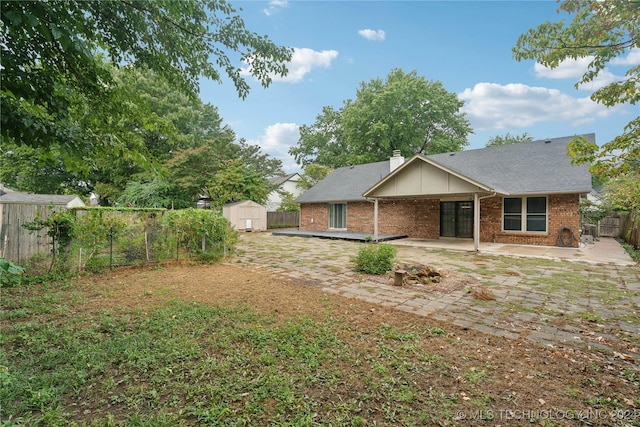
(10, 273)
(375, 258)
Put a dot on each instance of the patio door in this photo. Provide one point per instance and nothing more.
(456, 219)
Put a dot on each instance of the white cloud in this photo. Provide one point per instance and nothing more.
(567, 69)
(374, 35)
(275, 6)
(632, 59)
(303, 61)
(575, 68)
(276, 141)
(491, 106)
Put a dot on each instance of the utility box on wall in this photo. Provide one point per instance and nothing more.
(246, 215)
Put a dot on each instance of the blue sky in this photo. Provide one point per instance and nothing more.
(466, 45)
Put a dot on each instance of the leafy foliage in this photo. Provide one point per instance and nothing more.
(592, 212)
(22, 168)
(313, 174)
(287, 203)
(158, 193)
(94, 239)
(58, 91)
(193, 169)
(59, 227)
(405, 112)
(10, 273)
(202, 231)
(234, 182)
(375, 258)
(623, 193)
(508, 139)
(185, 138)
(601, 31)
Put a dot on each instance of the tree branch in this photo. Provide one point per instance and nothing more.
(621, 45)
(164, 18)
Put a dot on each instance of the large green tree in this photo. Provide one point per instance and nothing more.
(186, 137)
(323, 142)
(235, 181)
(405, 112)
(312, 175)
(602, 31)
(507, 139)
(193, 169)
(57, 87)
(169, 123)
(23, 169)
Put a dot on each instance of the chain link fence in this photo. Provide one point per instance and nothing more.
(90, 239)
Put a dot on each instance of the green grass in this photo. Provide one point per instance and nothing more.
(187, 363)
(63, 363)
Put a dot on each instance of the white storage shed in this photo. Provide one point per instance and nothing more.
(246, 215)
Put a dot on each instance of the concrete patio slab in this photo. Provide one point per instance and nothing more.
(582, 296)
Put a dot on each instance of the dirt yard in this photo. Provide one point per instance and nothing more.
(562, 384)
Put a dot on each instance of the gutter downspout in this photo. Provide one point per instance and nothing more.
(476, 218)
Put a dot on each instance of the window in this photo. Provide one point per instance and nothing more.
(525, 214)
(338, 215)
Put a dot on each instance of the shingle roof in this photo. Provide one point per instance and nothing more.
(277, 180)
(346, 184)
(541, 167)
(525, 168)
(36, 199)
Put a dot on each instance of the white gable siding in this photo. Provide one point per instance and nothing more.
(420, 178)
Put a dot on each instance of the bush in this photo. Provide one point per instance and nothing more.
(375, 258)
(10, 273)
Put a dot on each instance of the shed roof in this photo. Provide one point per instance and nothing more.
(38, 199)
(242, 202)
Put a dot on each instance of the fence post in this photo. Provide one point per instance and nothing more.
(19, 241)
(111, 247)
(204, 242)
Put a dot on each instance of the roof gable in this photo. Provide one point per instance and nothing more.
(279, 180)
(420, 175)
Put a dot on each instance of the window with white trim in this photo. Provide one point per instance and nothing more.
(524, 214)
(338, 215)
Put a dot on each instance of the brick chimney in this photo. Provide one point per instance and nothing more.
(395, 161)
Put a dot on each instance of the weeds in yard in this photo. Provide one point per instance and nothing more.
(186, 363)
(591, 317)
(211, 365)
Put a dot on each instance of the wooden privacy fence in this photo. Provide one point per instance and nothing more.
(610, 225)
(17, 243)
(630, 228)
(283, 219)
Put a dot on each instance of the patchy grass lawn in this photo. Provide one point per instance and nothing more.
(229, 345)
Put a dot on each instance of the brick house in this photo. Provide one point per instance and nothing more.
(525, 193)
